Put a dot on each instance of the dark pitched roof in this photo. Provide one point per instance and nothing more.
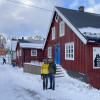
(81, 20)
(31, 41)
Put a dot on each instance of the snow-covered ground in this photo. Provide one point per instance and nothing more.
(17, 85)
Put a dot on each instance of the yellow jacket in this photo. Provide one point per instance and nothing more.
(45, 68)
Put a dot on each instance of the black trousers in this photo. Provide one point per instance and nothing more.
(45, 81)
(4, 62)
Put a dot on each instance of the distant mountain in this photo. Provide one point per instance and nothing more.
(37, 37)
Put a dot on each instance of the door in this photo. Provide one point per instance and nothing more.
(57, 54)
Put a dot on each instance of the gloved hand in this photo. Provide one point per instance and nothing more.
(42, 76)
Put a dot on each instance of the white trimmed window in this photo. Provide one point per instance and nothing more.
(53, 33)
(69, 51)
(49, 52)
(96, 57)
(61, 28)
(33, 52)
(17, 53)
(20, 52)
(56, 17)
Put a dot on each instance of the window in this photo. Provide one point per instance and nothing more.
(20, 52)
(49, 52)
(17, 53)
(62, 28)
(53, 33)
(69, 51)
(96, 57)
(33, 52)
(56, 17)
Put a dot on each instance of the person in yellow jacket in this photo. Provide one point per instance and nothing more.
(44, 73)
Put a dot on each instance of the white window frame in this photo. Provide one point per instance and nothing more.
(68, 51)
(96, 50)
(56, 17)
(61, 28)
(53, 33)
(33, 50)
(17, 53)
(49, 52)
(20, 52)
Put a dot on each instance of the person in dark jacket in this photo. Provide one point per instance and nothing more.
(4, 61)
(52, 72)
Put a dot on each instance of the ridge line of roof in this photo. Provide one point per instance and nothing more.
(77, 10)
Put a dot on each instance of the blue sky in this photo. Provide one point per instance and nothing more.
(21, 20)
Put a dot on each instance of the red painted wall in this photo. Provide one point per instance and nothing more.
(83, 54)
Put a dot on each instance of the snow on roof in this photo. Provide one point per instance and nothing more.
(31, 45)
(14, 44)
(91, 32)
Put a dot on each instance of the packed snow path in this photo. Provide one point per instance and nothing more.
(16, 85)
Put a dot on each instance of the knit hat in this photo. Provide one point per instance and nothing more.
(46, 60)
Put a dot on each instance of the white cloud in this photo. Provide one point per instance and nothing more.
(24, 20)
(94, 8)
(74, 4)
(92, 2)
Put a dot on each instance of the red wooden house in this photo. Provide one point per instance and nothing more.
(29, 50)
(73, 40)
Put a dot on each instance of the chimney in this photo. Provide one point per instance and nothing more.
(81, 8)
(22, 38)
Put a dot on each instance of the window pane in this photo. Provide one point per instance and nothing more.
(71, 50)
(71, 55)
(71, 45)
(66, 51)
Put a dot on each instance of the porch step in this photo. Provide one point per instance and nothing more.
(59, 72)
(58, 76)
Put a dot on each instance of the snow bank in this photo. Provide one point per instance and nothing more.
(17, 85)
